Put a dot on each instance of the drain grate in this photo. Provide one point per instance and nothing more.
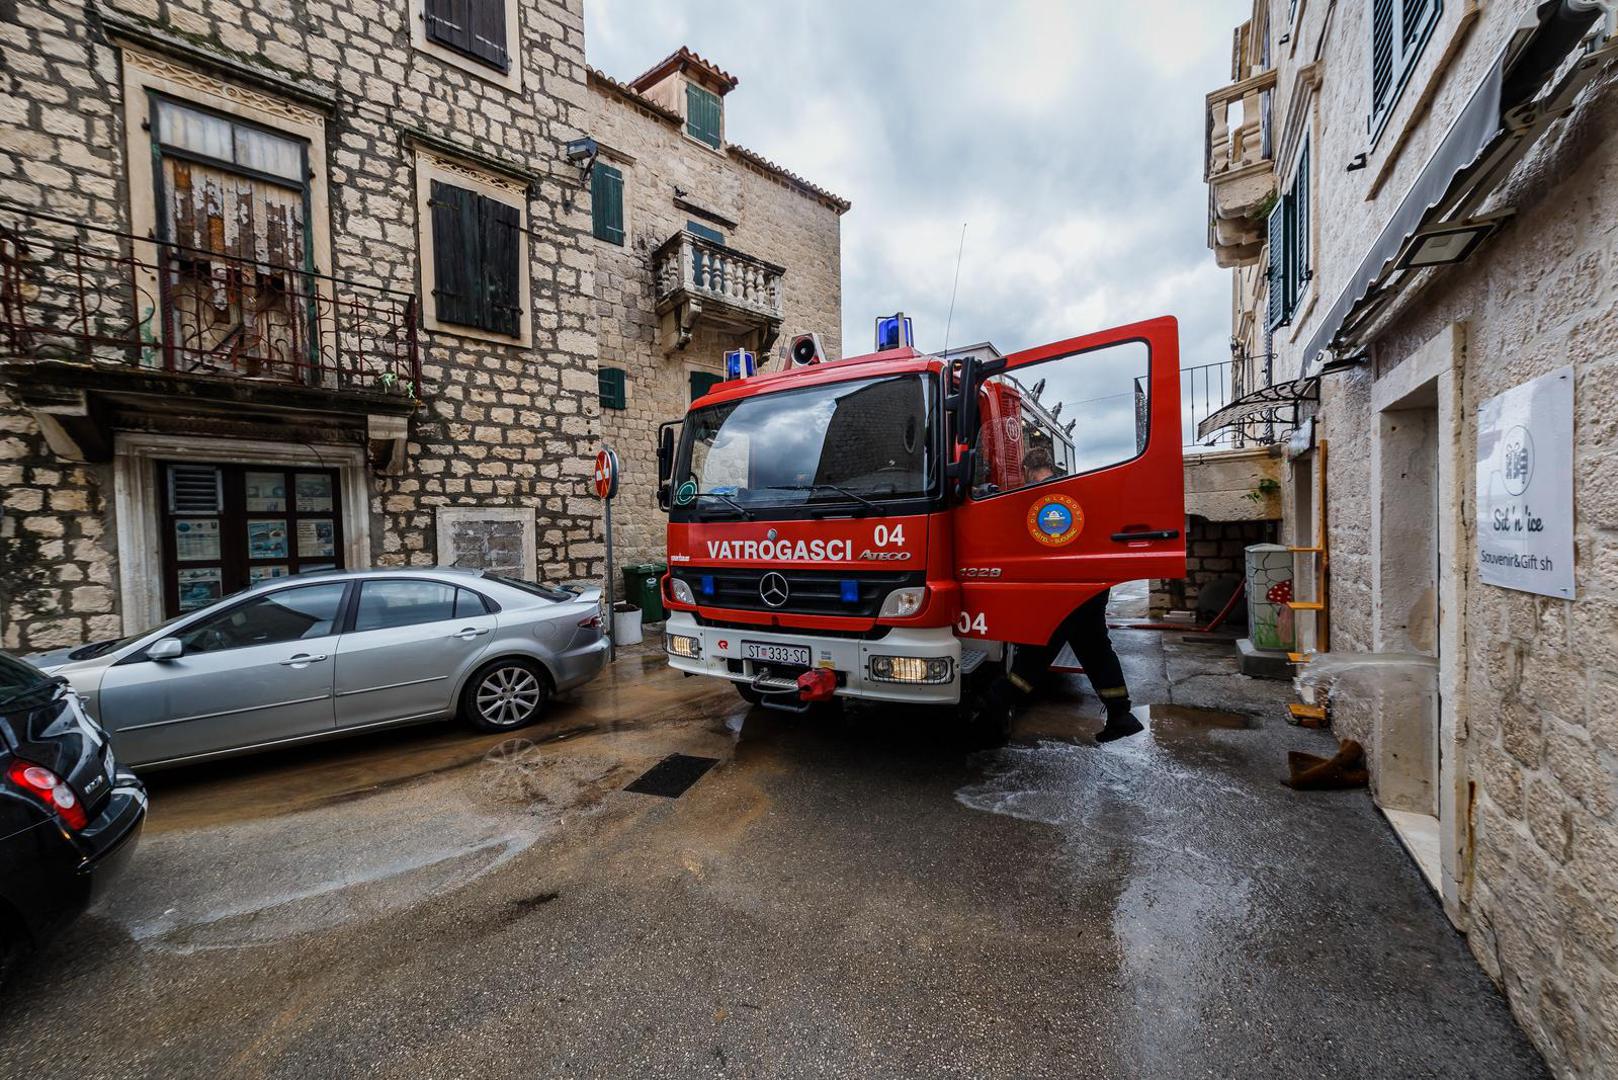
(672, 776)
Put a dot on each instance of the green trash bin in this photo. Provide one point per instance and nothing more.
(643, 587)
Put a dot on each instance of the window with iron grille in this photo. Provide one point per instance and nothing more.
(702, 114)
(1399, 31)
(614, 388)
(607, 203)
(477, 242)
(475, 28)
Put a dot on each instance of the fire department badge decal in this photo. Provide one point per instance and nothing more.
(1055, 520)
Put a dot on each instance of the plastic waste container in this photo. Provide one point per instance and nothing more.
(626, 626)
(643, 588)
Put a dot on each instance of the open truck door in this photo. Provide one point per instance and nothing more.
(1070, 478)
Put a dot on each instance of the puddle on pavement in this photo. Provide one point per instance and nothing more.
(1189, 718)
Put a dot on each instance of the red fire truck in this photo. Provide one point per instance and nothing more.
(882, 527)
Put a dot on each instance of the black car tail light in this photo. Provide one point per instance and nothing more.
(49, 789)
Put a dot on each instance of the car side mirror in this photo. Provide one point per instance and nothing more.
(169, 648)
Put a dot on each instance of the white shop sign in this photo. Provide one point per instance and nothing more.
(1525, 487)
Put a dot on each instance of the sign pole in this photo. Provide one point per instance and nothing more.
(606, 485)
(612, 615)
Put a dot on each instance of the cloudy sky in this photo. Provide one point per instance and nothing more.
(1066, 135)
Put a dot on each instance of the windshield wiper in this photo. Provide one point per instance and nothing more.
(841, 490)
(740, 509)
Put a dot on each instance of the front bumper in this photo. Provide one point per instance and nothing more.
(849, 657)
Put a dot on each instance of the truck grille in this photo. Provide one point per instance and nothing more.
(809, 592)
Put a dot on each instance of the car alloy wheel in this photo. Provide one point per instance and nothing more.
(509, 696)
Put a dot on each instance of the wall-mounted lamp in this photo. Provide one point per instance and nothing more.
(582, 153)
(1446, 244)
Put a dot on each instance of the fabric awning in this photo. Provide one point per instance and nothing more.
(1477, 144)
(1277, 403)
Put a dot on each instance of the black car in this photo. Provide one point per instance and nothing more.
(69, 816)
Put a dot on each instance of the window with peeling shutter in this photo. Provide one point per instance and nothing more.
(476, 28)
(455, 237)
(702, 109)
(607, 203)
(502, 283)
(477, 252)
(1277, 266)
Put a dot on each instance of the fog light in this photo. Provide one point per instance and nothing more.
(680, 645)
(903, 602)
(911, 669)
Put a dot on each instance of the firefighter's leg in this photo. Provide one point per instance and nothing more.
(1028, 666)
(1087, 632)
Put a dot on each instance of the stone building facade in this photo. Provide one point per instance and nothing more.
(293, 287)
(706, 247)
(1367, 142)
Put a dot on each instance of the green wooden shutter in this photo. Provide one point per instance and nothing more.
(702, 382)
(1277, 266)
(705, 231)
(702, 114)
(501, 227)
(614, 388)
(1382, 57)
(607, 203)
(454, 217)
(486, 32)
(1300, 229)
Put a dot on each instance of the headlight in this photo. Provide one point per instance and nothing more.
(903, 602)
(681, 591)
(681, 645)
(911, 669)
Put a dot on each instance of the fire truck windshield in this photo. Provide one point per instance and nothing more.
(869, 442)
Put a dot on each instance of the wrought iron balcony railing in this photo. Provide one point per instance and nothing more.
(79, 292)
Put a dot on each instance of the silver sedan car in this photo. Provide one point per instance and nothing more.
(327, 654)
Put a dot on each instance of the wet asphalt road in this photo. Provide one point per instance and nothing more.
(853, 897)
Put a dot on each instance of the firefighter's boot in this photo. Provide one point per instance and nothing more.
(1121, 721)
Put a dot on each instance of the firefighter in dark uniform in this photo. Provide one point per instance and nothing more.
(1085, 631)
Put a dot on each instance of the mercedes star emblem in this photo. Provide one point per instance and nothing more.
(773, 589)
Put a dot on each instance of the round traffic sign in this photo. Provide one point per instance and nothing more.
(606, 474)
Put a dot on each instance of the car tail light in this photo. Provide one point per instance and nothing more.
(592, 622)
(49, 789)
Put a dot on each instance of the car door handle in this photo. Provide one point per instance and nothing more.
(1154, 534)
(301, 659)
(469, 633)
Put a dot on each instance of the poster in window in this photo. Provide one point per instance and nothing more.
(266, 492)
(267, 539)
(196, 540)
(314, 494)
(316, 538)
(256, 574)
(200, 586)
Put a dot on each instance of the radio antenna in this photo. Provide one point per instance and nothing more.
(958, 252)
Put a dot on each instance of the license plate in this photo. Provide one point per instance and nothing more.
(796, 655)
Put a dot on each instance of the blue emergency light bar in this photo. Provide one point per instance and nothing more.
(740, 364)
(893, 331)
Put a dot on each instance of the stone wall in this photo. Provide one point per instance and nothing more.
(1214, 550)
(1534, 746)
(762, 213)
(502, 425)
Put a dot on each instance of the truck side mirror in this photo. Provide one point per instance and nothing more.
(665, 462)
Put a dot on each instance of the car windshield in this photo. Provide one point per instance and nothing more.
(19, 680)
(102, 648)
(861, 441)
